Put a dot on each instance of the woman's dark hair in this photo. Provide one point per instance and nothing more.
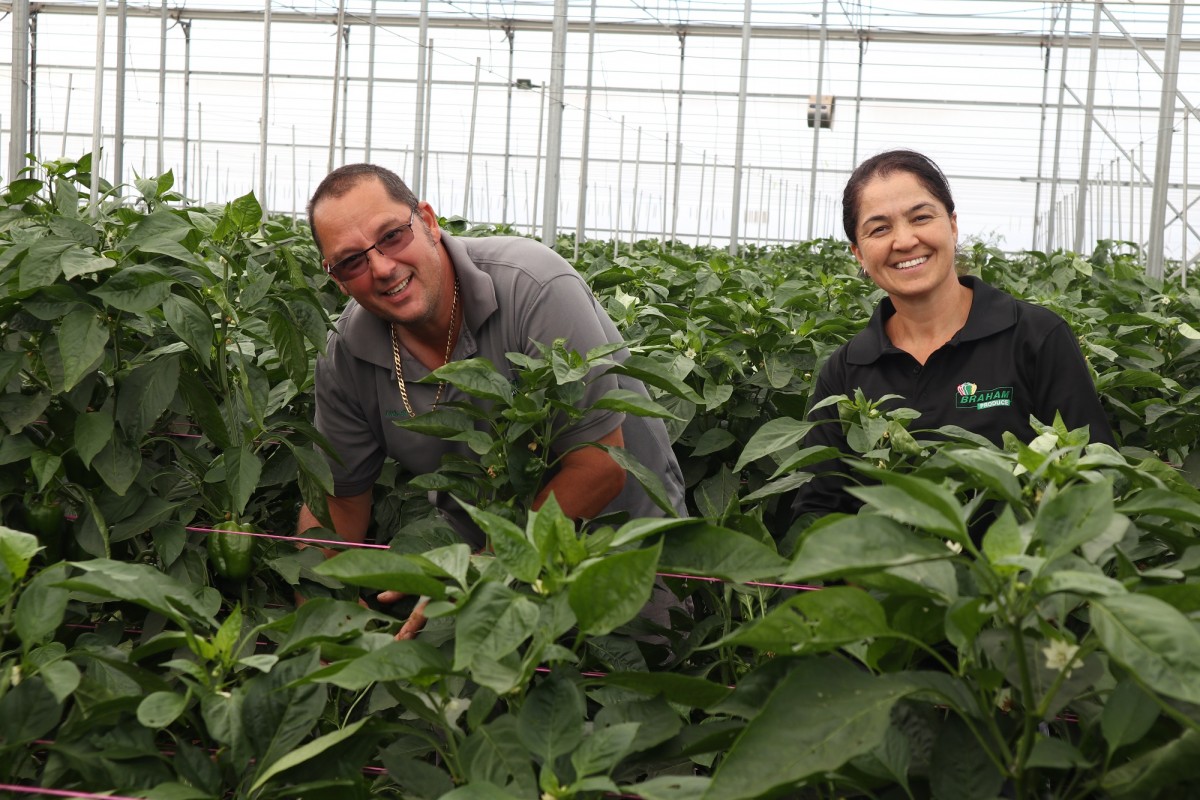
(883, 165)
(346, 177)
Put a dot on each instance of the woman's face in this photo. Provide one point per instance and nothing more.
(906, 238)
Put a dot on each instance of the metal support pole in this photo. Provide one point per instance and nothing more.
(637, 167)
(18, 114)
(1132, 213)
(1183, 259)
(666, 174)
(97, 112)
(712, 207)
(812, 184)
(558, 63)
(862, 46)
(266, 108)
(537, 170)
(1193, 110)
(1062, 87)
(1142, 196)
(740, 146)
(337, 72)
(345, 86)
(119, 111)
(700, 202)
(34, 122)
(419, 122)
(581, 211)
(184, 176)
(508, 34)
(471, 143)
(678, 135)
(162, 84)
(1088, 114)
(1166, 129)
(620, 176)
(1037, 192)
(370, 80)
(67, 115)
(428, 119)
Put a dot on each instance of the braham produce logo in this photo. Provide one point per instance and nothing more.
(969, 396)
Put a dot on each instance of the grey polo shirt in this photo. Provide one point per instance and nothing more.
(514, 292)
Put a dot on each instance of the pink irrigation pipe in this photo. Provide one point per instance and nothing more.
(39, 790)
(368, 545)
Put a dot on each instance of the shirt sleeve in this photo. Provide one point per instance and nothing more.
(1066, 386)
(565, 309)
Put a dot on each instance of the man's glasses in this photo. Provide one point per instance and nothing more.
(391, 244)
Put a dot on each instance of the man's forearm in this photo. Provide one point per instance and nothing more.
(587, 481)
(351, 516)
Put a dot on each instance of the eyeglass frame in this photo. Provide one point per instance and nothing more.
(332, 270)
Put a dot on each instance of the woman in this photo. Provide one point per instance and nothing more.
(957, 350)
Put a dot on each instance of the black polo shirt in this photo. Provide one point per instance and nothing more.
(1011, 359)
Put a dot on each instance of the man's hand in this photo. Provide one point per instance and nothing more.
(416, 620)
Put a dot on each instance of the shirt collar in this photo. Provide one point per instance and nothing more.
(991, 312)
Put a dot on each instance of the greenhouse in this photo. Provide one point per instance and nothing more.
(665, 400)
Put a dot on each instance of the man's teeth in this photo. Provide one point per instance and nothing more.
(912, 262)
(399, 288)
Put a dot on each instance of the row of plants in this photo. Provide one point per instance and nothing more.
(1015, 621)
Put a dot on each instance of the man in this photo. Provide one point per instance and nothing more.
(421, 298)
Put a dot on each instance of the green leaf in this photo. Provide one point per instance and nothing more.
(1152, 640)
(160, 709)
(1163, 503)
(822, 715)
(674, 687)
(601, 751)
(991, 468)
(652, 373)
(17, 549)
(649, 481)
(204, 409)
(42, 606)
(93, 430)
(245, 214)
(878, 543)
(82, 337)
(307, 751)
(192, 324)
(383, 569)
(118, 464)
(493, 754)
(45, 466)
(143, 585)
(323, 620)
(494, 622)
(79, 261)
(1128, 715)
(242, 472)
(475, 376)
(42, 265)
(145, 394)
(1003, 539)
(289, 346)
(631, 402)
(28, 711)
(669, 787)
(135, 289)
(914, 501)
(551, 720)
(1087, 584)
(713, 440)
(1074, 516)
(776, 435)
(814, 622)
(1174, 764)
(409, 660)
(513, 550)
(609, 592)
(705, 549)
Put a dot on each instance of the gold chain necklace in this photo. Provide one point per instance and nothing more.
(400, 369)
